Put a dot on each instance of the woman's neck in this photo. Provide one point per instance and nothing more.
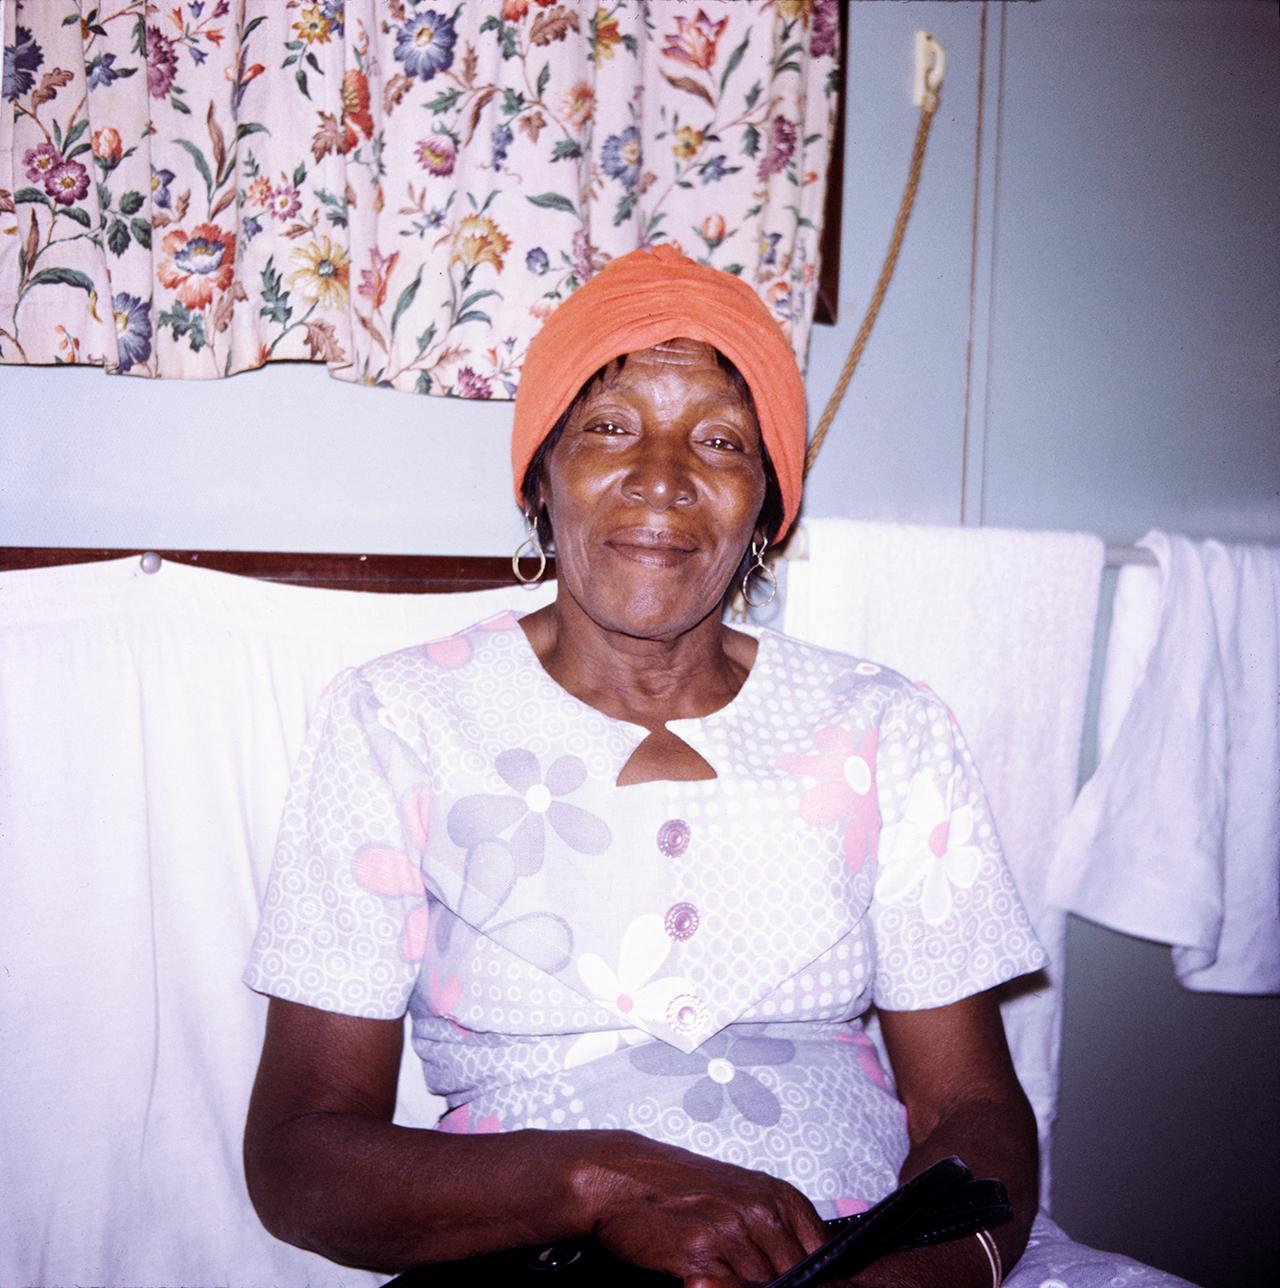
(642, 681)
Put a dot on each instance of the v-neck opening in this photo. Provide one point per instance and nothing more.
(681, 727)
(689, 747)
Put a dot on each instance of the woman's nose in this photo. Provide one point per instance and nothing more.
(659, 478)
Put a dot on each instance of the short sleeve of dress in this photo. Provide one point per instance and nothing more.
(946, 915)
(343, 921)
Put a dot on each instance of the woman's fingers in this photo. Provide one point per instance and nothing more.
(698, 1218)
(733, 1256)
(716, 1245)
(779, 1234)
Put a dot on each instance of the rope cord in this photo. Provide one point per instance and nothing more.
(886, 274)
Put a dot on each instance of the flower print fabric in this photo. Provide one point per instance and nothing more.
(686, 960)
(721, 1065)
(133, 329)
(637, 988)
(240, 167)
(425, 44)
(198, 264)
(931, 848)
(845, 767)
(22, 60)
(479, 818)
(393, 875)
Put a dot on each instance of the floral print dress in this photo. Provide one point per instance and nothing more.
(689, 960)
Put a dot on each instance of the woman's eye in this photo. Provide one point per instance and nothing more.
(722, 444)
(604, 427)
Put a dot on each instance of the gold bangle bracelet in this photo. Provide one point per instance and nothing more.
(993, 1256)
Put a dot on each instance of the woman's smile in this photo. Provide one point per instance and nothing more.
(653, 547)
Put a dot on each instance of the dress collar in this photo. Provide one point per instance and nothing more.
(703, 733)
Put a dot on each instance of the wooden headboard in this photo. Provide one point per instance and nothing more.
(398, 574)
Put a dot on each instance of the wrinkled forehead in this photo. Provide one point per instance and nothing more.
(680, 354)
(695, 366)
(680, 351)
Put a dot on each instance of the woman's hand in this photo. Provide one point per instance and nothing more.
(329, 1171)
(711, 1223)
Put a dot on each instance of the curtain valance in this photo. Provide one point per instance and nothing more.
(400, 189)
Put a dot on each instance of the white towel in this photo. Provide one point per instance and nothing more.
(148, 725)
(1176, 837)
(1000, 624)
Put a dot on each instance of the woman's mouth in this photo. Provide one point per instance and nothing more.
(653, 547)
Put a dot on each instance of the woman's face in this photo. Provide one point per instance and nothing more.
(653, 491)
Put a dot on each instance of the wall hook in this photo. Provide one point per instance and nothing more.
(931, 67)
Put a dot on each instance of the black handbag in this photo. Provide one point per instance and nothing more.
(942, 1202)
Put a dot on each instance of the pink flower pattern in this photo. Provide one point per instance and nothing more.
(867, 1056)
(42, 161)
(393, 875)
(851, 1207)
(458, 1121)
(451, 652)
(846, 768)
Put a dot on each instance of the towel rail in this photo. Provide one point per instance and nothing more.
(1118, 556)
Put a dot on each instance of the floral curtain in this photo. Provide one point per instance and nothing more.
(401, 189)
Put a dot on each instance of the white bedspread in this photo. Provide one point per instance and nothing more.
(148, 725)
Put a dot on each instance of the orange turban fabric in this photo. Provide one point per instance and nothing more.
(638, 301)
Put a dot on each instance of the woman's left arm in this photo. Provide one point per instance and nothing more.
(956, 1079)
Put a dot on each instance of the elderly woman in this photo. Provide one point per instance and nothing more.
(637, 876)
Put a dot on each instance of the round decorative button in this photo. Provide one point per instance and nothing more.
(673, 837)
(687, 1013)
(681, 920)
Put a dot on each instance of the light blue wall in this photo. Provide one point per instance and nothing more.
(1082, 333)
(896, 450)
(279, 459)
(1134, 376)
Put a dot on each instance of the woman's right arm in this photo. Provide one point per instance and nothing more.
(328, 1171)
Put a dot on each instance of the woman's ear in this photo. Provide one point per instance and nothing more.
(542, 517)
(531, 503)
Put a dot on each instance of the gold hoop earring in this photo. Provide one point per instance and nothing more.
(533, 543)
(757, 553)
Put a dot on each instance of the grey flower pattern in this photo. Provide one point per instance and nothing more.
(536, 802)
(718, 1066)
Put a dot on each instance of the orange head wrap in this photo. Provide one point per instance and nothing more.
(638, 301)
